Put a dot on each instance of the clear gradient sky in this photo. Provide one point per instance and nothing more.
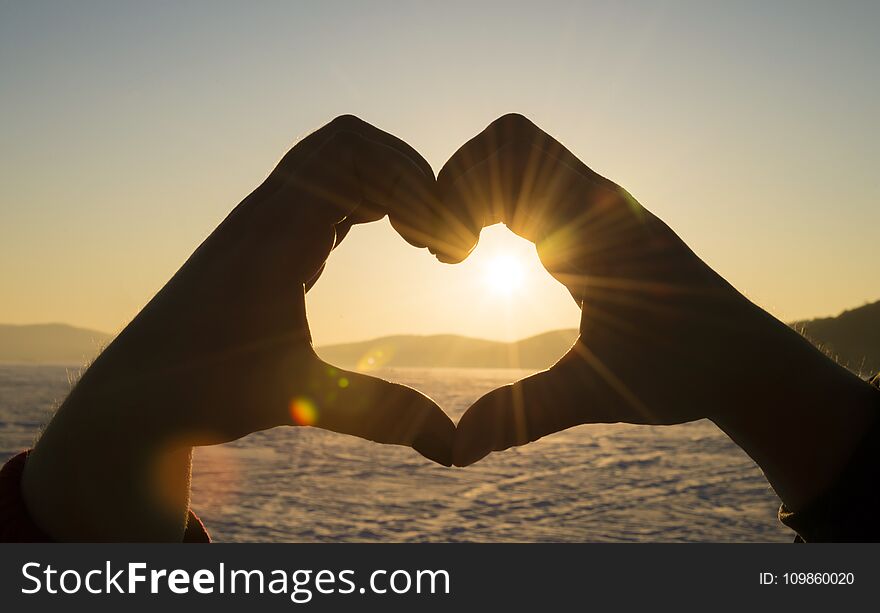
(129, 130)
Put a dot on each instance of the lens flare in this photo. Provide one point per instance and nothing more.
(303, 411)
(375, 357)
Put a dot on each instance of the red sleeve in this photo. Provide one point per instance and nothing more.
(16, 525)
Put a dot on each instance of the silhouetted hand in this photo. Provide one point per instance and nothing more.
(227, 338)
(663, 338)
(224, 348)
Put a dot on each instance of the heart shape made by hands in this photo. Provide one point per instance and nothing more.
(639, 283)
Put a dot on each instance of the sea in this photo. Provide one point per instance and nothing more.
(621, 483)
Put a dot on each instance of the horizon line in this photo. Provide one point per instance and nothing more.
(416, 334)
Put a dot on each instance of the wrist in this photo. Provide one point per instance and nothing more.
(803, 428)
(97, 477)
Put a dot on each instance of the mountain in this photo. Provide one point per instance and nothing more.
(852, 338)
(50, 343)
(447, 350)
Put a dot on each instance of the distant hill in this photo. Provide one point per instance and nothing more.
(852, 338)
(50, 344)
(447, 350)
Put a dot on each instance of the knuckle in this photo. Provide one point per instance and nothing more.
(513, 122)
(517, 153)
(347, 123)
(344, 142)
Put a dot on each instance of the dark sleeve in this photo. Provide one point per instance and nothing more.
(848, 511)
(16, 525)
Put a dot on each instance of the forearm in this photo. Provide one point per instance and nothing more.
(99, 473)
(802, 428)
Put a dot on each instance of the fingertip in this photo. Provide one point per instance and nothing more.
(463, 456)
(437, 443)
(434, 448)
(447, 255)
(473, 440)
(443, 259)
(436, 432)
(448, 247)
(454, 240)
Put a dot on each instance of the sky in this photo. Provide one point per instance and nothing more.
(129, 130)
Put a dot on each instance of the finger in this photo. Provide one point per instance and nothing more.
(420, 221)
(337, 166)
(576, 390)
(507, 129)
(509, 173)
(349, 179)
(291, 162)
(376, 410)
(471, 201)
(514, 415)
(342, 230)
(311, 282)
(521, 139)
(324, 179)
(446, 234)
(514, 179)
(348, 123)
(324, 164)
(473, 205)
(538, 200)
(413, 208)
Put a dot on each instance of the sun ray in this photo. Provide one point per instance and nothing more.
(504, 274)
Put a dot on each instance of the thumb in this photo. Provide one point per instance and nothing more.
(376, 410)
(568, 394)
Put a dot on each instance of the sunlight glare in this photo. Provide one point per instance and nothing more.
(504, 274)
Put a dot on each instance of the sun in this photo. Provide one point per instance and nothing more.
(504, 274)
